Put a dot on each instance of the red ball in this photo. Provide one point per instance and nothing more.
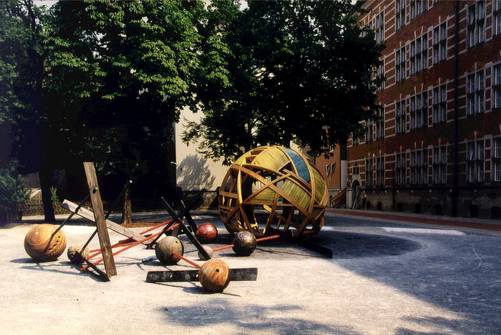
(206, 232)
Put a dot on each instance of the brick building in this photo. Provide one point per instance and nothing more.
(334, 170)
(436, 147)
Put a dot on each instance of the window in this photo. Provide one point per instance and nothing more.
(400, 64)
(476, 23)
(475, 161)
(355, 139)
(475, 93)
(380, 124)
(439, 165)
(439, 104)
(356, 169)
(380, 171)
(400, 13)
(368, 172)
(400, 168)
(418, 167)
(496, 86)
(379, 27)
(496, 160)
(369, 131)
(417, 7)
(380, 74)
(419, 54)
(496, 13)
(419, 110)
(440, 43)
(400, 117)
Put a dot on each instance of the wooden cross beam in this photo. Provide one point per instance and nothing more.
(89, 215)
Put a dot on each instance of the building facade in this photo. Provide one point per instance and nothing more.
(436, 145)
(334, 170)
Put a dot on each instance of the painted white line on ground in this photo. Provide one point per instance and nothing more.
(423, 231)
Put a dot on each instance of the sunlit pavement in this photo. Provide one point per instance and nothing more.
(385, 278)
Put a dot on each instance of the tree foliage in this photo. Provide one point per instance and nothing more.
(126, 70)
(100, 80)
(297, 71)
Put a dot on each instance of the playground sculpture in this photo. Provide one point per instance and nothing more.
(273, 188)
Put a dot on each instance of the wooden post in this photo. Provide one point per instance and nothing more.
(102, 230)
(127, 208)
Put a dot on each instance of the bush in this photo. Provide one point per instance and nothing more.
(12, 191)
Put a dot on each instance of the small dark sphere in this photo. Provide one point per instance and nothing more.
(168, 250)
(206, 232)
(76, 255)
(244, 243)
(214, 275)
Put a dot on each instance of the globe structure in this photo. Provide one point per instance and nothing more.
(272, 188)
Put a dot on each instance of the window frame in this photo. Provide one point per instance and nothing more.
(439, 104)
(399, 14)
(475, 92)
(496, 86)
(496, 17)
(475, 24)
(496, 160)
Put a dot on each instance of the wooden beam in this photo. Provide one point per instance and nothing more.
(89, 215)
(102, 230)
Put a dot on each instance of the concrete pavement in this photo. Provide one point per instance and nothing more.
(385, 278)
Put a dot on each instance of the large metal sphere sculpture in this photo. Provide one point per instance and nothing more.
(273, 187)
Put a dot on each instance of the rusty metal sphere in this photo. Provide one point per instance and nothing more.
(75, 256)
(244, 243)
(43, 243)
(168, 250)
(208, 250)
(214, 275)
(206, 232)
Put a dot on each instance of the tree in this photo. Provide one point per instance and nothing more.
(298, 71)
(120, 74)
(22, 32)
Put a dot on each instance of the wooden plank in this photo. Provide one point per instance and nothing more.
(89, 215)
(102, 230)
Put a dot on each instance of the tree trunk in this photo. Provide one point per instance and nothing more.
(45, 184)
(127, 208)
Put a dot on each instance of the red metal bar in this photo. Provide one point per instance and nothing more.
(187, 260)
(262, 239)
(95, 252)
(125, 248)
(128, 245)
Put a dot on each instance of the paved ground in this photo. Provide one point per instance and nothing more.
(385, 278)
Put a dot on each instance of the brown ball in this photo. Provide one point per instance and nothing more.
(214, 275)
(168, 250)
(244, 243)
(43, 244)
(75, 256)
(209, 251)
(206, 232)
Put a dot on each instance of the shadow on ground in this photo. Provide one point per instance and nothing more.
(65, 268)
(269, 319)
(357, 245)
(458, 273)
(344, 245)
